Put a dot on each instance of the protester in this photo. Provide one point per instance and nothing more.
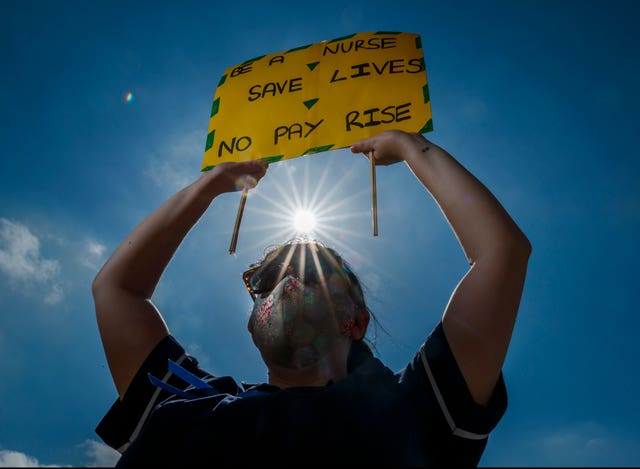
(327, 399)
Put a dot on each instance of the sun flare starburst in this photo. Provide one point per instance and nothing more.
(304, 221)
(308, 198)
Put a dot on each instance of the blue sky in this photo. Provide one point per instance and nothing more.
(538, 99)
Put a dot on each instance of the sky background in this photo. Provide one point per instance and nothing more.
(538, 99)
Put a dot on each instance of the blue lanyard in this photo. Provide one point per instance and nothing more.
(205, 388)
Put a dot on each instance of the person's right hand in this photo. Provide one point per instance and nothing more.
(232, 177)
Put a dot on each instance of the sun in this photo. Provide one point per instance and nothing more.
(310, 200)
(304, 221)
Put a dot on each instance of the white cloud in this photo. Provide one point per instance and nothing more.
(100, 455)
(55, 295)
(10, 458)
(20, 259)
(178, 164)
(24, 265)
(169, 176)
(92, 254)
(577, 438)
(588, 444)
(585, 443)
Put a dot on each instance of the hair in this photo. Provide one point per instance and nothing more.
(361, 349)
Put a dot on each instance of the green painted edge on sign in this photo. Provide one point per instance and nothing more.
(318, 149)
(209, 140)
(387, 32)
(298, 48)
(272, 159)
(428, 127)
(255, 59)
(223, 78)
(215, 107)
(312, 65)
(268, 159)
(342, 38)
(418, 43)
(425, 93)
(310, 102)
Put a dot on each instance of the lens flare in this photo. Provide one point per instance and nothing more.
(304, 221)
(246, 182)
(128, 97)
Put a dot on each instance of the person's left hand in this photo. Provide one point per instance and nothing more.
(388, 147)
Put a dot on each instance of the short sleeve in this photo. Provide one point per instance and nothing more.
(459, 426)
(127, 416)
(466, 418)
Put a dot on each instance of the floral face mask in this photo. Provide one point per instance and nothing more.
(295, 325)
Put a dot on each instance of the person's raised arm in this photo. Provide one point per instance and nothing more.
(479, 318)
(130, 325)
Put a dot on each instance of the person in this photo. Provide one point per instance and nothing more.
(327, 399)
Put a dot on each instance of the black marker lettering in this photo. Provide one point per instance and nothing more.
(254, 93)
(360, 68)
(345, 50)
(385, 112)
(224, 144)
(277, 59)
(397, 66)
(295, 84)
(370, 44)
(371, 122)
(269, 88)
(388, 42)
(334, 77)
(351, 119)
(371, 117)
(294, 130)
(418, 63)
(275, 88)
(400, 114)
(279, 132)
(327, 48)
(247, 141)
(240, 69)
(380, 71)
(312, 126)
(373, 43)
(240, 144)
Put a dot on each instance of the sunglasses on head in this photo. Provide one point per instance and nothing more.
(310, 269)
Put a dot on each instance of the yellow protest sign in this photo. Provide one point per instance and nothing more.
(319, 97)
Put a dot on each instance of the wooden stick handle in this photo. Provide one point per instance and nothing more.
(374, 194)
(236, 227)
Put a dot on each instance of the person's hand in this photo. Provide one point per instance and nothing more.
(389, 147)
(231, 177)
